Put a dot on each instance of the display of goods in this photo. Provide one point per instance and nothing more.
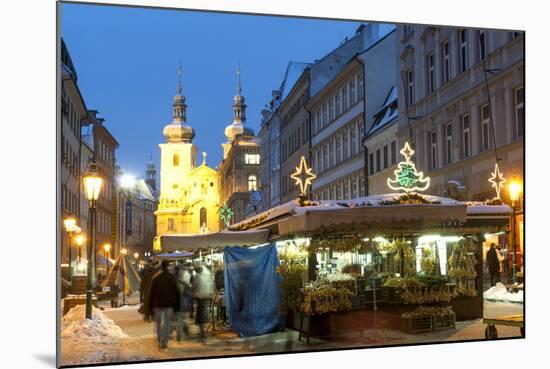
(292, 269)
(321, 299)
(428, 318)
(462, 268)
(427, 295)
(417, 324)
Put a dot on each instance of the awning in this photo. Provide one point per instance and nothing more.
(372, 217)
(174, 242)
(174, 255)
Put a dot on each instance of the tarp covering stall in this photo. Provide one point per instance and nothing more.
(174, 255)
(176, 242)
(252, 289)
(123, 275)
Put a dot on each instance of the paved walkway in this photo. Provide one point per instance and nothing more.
(141, 344)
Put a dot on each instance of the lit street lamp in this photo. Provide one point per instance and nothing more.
(70, 227)
(124, 251)
(106, 249)
(514, 189)
(79, 242)
(92, 187)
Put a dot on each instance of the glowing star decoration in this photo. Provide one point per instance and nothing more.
(407, 178)
(303, 176)
(497, 180)
(226, 213)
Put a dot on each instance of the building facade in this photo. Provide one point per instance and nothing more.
(103, 146)
(343, 110)
(443, 89)
(73, 111)
(294, 131)
(135, 216)
(381, 151)
(240, 167)
(189, 195)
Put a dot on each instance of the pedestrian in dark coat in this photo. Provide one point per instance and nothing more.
(145, 291)
(493, 264)
(163, 300)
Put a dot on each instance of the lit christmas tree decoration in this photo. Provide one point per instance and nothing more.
(407, 178)
(497, 180)
(226, 214)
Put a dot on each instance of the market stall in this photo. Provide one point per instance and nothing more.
(414, 260)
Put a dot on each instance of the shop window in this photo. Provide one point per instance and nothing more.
(176, 160)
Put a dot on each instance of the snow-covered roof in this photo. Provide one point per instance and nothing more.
(173, 242)
(474, 209)
(387, 114)
(294, 71)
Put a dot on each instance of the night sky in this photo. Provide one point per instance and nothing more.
(127, 59)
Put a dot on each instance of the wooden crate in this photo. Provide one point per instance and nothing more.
(444, 322)
(417, 324)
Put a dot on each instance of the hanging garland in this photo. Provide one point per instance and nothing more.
(322, 298)
(462, 268)
(409, 199)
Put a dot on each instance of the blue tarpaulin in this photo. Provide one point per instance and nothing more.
(252, 290)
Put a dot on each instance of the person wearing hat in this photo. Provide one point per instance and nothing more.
(163, 300)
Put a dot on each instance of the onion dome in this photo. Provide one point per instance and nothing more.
(239, 115)
(178, 130)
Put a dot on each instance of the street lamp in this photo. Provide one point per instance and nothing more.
(92, 187)
(124, 251)
(106, 249)
(79, 242)
(70, 227)
(136, 255)
(514, 189)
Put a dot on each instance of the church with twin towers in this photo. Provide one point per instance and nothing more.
(191, 192)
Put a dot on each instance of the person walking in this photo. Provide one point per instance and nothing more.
(145, 292)
(203, 289)
(493, 264)
(185, 300)
(163, 300)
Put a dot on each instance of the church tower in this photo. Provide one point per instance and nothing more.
(189, 197)
(151, 175)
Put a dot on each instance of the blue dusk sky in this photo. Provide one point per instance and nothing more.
(127, 59)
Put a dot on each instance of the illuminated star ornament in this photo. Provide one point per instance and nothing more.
(407, 178)
(497, 180)
(303, 176)
(226, 213)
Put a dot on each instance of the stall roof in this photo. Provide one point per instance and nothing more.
(292, 218)
(173, 242)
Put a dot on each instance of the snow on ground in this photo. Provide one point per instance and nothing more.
(500, 293)
(99, 329)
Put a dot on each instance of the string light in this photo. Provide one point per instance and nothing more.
(303, 176)
(497, 180)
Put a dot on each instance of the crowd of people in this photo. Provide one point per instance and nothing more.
(172, 295)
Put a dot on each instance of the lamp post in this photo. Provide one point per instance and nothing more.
(79, 242)
(92, 187)
(514, 189)
(106, 249)
(70, 224)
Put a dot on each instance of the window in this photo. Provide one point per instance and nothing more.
(482, 45)
(446, 62)
(463, 50)
(320, 159)
(331, 109)
(352, 94)
(332, 153)
(203, 218)
(346, 189)
(360, 89)
(431, 72)
(345, 143)
(410, 86)
(171, 224)
(378, 166)
(252, 158)
(353, 187)
(252, 183)
(325, 115)
(466, 139)
(393, 152)
(326, 155)
(448, 143)
(345, 98)
(485, 119)
(176, 160)
(318, 123)
(520, 112)
(385, 154)
(338, 149)
(338, 104)
(407, 29)
(371, 163)
(433, 151)
(353, 140)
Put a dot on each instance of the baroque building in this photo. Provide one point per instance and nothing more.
(240, 167)
(189, 193)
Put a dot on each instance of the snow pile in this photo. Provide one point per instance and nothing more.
(500, 293)
(99, 329)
